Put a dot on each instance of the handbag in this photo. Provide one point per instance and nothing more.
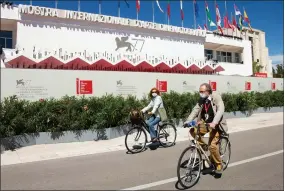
(162, 113)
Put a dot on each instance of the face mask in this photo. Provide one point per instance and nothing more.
(154, 94)
(203, 96)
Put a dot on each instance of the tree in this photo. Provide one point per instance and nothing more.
(278, 72)
(256, 67)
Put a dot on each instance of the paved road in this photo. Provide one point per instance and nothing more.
(118, 170)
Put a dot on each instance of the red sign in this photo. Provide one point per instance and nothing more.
(273, 86)
(84, 86)
(247, 85)
(261, 75)
(213, 85)
(161, 85)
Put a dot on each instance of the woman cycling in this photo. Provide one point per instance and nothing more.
(156, 103)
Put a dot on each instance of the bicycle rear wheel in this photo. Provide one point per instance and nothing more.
(189, 167)
(135, 140)
(225, 151)
(167, 135)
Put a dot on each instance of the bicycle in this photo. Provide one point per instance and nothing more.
(140, 129)
(194, 165)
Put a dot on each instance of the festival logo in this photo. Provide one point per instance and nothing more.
(273, 86)
(84, 86)
(130, 45)
(213, 85)
(125, 89)
(161, 85)
(247, 85)
(28, 90)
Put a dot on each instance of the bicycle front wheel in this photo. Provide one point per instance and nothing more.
(167, 135)
(135, 140)
(189, 167)
(225, 151)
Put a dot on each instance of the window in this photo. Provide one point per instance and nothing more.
(209, 54)
(219, 56)
(237, 58)
(6, 39)
(224, 57)
(229, 57)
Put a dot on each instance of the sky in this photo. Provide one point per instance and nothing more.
(264, 15)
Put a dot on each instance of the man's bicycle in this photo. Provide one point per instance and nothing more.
(193, 159)
(136, 138)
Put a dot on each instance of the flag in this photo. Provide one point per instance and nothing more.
(209, 16)
(237, 12)
(205, 27)
(181, 10)
(138, 5)
(226, 22)
(246, 19)
(199, 27)
(159, 6)
(168, 8)
(196, 8)
(218, 19)
(240, 23)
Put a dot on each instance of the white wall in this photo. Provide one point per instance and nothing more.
(244, 69)
(9, 12)
(101, 38)
(56, 83)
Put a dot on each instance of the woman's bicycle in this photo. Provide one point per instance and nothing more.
(191, 164)
(166, 134)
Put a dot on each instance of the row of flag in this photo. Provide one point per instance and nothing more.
(227, 24)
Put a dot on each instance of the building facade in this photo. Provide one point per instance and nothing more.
(39, 37)
(260, 53)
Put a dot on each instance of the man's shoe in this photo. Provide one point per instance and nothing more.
(219, 169)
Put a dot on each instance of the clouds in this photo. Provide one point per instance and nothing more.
(277, 59)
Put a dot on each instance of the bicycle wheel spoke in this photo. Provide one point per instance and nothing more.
(189, 169)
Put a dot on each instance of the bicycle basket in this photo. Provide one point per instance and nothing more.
(136, 117)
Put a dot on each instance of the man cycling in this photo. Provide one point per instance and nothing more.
(209, 109)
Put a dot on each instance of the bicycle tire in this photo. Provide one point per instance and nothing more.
(179, 166)
(175, 134)
(227, 148)
(141, 131)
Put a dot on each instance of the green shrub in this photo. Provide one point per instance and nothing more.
(71, 113)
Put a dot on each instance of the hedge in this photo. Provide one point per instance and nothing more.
(71, 113)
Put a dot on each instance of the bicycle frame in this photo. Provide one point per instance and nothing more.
(198, 146)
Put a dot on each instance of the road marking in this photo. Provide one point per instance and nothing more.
(145, 186)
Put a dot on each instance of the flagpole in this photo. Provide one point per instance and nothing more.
(78, 5)
(206, 15)
(194, 14)
(31, 2)
(153, 11)
(137, 14)
(56, 4)
(227, 17)
(247, 24)
(119, 8)
(232, 24)
(99, 7)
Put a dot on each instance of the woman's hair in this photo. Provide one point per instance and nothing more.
(157, 91)
(208, 87)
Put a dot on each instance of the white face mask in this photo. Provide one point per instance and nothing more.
(203, 95)
(154, 94)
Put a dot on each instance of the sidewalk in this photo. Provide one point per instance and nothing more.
(62, 150)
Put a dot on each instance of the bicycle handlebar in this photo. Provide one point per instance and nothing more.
(187, 125)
